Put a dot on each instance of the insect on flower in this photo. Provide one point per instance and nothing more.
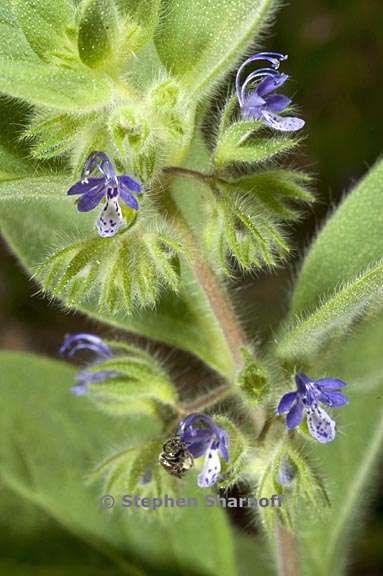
(100, 182)
(175, 457)
(75, 343)
(201, 436)
(256, 95)
(306, 399)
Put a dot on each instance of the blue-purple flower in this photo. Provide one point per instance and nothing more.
(256, 93)
(202, 436)
(100, 182)
(100, 352)
(307, 399)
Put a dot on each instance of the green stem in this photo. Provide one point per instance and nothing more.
(188, 173)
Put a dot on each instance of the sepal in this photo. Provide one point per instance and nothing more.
(238, 451)
(252, 379)
(124, 273)
(135, 471)
(239, 229)
(246, 142)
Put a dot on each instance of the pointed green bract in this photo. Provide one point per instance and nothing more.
(36, 215)
(236, 145)
(333, 319)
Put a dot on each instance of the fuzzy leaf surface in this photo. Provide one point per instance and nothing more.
(48, 85)
(349, 242)
(200, 41)
(334, 318)
(37, 217)
(68, 438)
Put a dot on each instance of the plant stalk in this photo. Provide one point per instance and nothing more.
(287, 551)
(207, 400)
(216, 295)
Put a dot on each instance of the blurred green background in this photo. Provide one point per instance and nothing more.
(335, 52)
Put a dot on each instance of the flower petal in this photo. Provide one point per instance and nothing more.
(90, 200)
(224, 445)
(286, 402)
(320, 425)
(110, 219)
(130, 183)
(329, 383)
(254, 100)
(197, 441)
(85, 341)
(282, 123)
(295, 416)
(334, 399)
(302, 382)
(277, 102)
(211, 469)
(83, 186)
(128, 199)
(271, 83)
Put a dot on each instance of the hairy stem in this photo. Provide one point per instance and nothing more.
(216, 395)
(216, 294)
(188, 173)
(287, 552)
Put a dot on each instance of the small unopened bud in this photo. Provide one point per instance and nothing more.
(287, 472)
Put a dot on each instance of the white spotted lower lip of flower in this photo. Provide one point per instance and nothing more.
(106, 185)
(307, 399)
(211, 468)
(203, 437)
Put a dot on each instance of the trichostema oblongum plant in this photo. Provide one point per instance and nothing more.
(192, 268)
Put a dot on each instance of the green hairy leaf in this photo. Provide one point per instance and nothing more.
(355, 230)
(97, 29)
(238, 229)
(69, 436)
(200, 41)
(145, 14)
(46, 25)
(276, 191)
(333, 319)
(13, 43)
(48, 85)
(236, 145)
(136, 383)
(327, 538)
(37, 216)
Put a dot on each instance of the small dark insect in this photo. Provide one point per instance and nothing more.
(175, 457)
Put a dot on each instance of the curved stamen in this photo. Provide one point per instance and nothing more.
(99, 161)
(253, 76)
(275, 58)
